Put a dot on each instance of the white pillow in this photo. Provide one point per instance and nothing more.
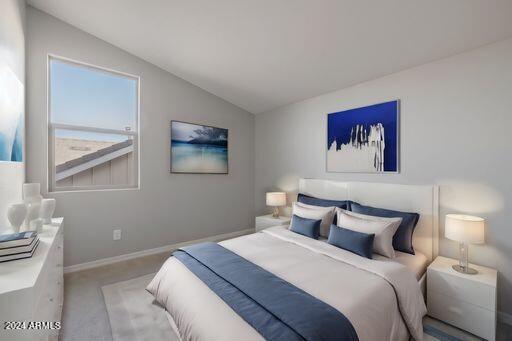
(369, 217)
(316, 212)
(383, 228)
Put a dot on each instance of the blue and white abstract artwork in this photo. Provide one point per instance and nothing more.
(198, 149)
(364, 140)
(11, 115)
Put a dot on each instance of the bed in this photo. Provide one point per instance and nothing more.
(381, 298)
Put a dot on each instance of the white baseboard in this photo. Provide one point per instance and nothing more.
(505, 318)
(161, 249)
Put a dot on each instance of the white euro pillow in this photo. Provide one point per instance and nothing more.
(383, 228)
(326, 214)
(369, 217)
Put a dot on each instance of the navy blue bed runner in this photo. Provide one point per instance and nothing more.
(277, 309)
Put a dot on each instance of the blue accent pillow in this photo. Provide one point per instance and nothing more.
(306, 199)
(306, 227)
(357, 242)
(402, 240)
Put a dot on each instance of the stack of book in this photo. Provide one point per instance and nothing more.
(18, 245)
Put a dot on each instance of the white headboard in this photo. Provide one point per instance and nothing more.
(422, 199)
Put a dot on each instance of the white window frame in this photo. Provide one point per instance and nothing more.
(50, 138)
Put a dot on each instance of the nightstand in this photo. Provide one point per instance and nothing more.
(264, 221)
(465, 301)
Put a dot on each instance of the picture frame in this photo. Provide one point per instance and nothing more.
(197, 148)
(364, 139)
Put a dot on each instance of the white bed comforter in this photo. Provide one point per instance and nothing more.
(382, 300)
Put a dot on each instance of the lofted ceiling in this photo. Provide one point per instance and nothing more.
(262, 54)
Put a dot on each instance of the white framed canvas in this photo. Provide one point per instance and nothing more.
(11, 115)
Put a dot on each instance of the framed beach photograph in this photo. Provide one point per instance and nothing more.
(198, 149)
(364, 140)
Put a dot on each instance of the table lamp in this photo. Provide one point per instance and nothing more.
(276, 199)
(466, 230)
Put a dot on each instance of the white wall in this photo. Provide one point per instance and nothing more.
(456, 123)
(12, 52)
(168, 208)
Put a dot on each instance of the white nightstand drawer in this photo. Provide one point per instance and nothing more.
(462, 289)
(476, 320)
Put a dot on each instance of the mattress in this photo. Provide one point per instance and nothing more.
(382, 300)
(417, 263)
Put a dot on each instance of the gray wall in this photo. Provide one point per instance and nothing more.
(456, 121)
(168, 208)
(12, 55)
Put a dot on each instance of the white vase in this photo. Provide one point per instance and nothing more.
(47, 209)
(16, 214)
(32, 193)
(32, 214)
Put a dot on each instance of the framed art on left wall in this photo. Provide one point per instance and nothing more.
(198, 149)
(11, 115)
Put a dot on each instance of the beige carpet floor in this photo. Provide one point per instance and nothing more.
(85, 315)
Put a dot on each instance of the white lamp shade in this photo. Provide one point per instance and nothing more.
(464, 228)
(276, 199)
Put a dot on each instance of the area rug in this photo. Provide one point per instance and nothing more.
(135, 317)
(132, 313)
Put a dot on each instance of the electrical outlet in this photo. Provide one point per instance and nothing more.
(117, 235)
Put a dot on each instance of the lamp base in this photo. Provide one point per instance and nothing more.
(464, 270)
(275, 213)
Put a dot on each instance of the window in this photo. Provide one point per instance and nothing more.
(93, 128)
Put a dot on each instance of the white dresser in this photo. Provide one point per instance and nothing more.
(465, 301)
(31, 290)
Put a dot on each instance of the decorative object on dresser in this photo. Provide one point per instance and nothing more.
(466, 230)
(37, 225)
(18, 245)
(364, 139)
(32, 289)
(32, 214)
(276, 199)
(32, 193)
(264, 221)
(18, 252)
(465, 301)
(47, 209)
(16, 214)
